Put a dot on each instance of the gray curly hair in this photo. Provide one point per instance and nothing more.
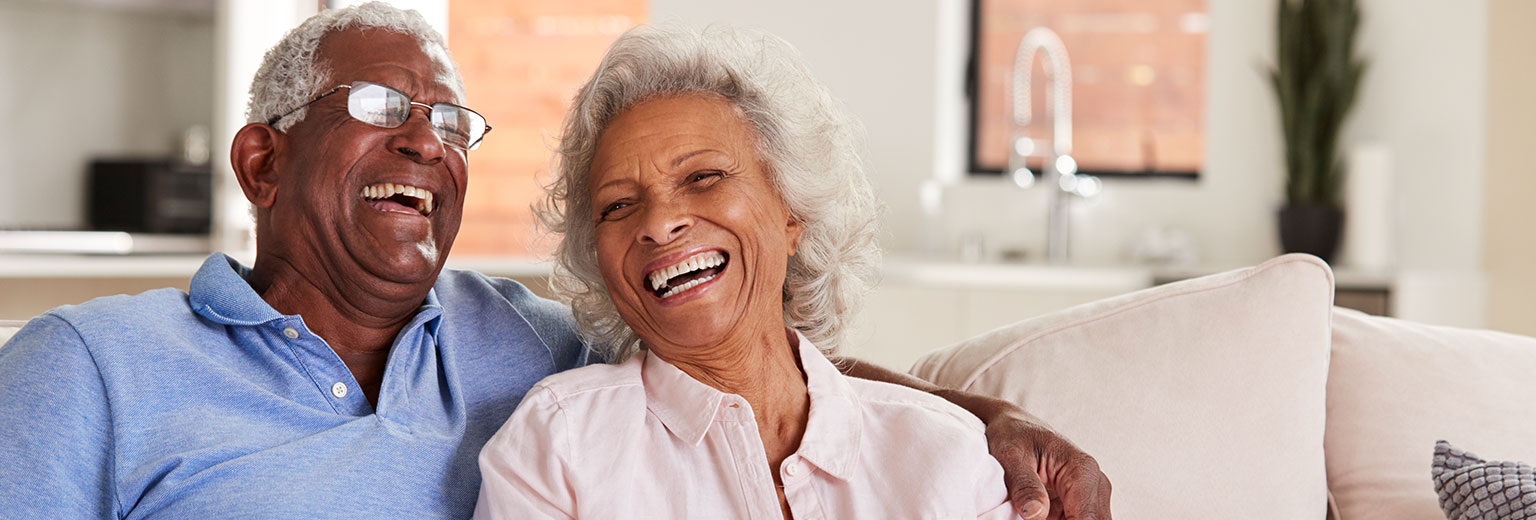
(290, 75)
(807, 139)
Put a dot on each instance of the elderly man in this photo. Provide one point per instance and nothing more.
(345, 374)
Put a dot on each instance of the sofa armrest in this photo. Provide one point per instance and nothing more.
(8, 328)
(1200, 399)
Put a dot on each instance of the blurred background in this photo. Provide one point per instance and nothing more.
(115, 175)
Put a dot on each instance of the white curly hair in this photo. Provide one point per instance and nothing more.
(291, 75)
(807, 139)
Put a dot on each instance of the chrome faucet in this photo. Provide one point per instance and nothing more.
(1060, 171)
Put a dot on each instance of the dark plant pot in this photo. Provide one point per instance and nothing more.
(1311, 229)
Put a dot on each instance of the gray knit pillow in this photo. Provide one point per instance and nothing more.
(1471, 488)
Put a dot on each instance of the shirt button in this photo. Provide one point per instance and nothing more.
(792, 469)
(339, 390)
(292, 334)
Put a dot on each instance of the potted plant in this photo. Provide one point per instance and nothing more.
(1315, 78)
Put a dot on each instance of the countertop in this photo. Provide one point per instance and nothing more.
(897, 268)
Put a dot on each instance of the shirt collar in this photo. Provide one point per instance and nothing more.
(219, 292)
(835, 429)
(833, 432)
(683, 404)
(431, 314)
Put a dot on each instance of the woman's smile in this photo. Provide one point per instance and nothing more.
(679, 282)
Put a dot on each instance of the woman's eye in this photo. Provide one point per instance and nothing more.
(705, 176)
(613, 211)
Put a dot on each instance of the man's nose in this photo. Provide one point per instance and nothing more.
(664, 221)
(417, 139)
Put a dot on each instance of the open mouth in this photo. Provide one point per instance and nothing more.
(399, 198)
(687, 274)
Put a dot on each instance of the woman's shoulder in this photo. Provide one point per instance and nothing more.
(892, 402)
(580, 383)
(571, 405)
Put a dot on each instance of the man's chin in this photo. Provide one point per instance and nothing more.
(409, 264)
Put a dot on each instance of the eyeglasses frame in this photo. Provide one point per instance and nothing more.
(273, 121)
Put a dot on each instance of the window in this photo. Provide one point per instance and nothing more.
(1138, 83)
(522, 61)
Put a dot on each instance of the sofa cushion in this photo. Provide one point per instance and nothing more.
(1395, 387)
(8, 328)
(1471, 488)
(1200, 399)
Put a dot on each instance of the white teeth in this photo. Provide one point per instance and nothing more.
(686, 286)
(389, 189)
(705, 260)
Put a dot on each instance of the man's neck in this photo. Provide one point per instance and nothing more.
(358, 325)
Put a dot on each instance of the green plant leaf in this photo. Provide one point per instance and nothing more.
(1316, 80)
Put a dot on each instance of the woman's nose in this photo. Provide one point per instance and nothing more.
(664, 222)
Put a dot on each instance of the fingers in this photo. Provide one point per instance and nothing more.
(1025, 490)
(1085, 490)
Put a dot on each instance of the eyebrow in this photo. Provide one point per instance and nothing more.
(675, 163)
(613, 182)
(684, 157)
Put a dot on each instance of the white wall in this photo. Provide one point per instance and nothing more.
(899, 65)
(84, 82)
(880, 58)
(244, 31)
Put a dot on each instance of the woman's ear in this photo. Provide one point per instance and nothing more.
(793, 230)
(253, 154)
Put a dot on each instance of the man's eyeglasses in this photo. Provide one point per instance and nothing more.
(379, 105)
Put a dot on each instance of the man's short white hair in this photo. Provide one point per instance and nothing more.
(290, 74)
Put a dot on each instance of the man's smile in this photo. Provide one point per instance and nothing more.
(399, 198)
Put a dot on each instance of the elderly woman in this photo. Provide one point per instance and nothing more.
(718, 234)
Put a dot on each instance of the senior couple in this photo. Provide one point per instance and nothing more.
(716, 235)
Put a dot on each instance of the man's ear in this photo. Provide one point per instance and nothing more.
(253, 154)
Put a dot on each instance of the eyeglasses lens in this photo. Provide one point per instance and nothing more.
(458, 126)
(378, 105)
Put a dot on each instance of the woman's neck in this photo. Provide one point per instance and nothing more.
(766, 370)
(762, 368)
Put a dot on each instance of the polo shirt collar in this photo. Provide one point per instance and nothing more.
(219, 292)
(432, 312)
(833, 432)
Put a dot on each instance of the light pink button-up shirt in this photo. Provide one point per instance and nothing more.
(644, 440)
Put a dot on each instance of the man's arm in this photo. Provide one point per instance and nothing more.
(56, 438)
(1047, 476)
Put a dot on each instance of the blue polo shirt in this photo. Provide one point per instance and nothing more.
(211, 404)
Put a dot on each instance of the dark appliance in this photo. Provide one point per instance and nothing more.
(150, 196)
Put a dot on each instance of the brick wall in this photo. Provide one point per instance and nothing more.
(522, 60)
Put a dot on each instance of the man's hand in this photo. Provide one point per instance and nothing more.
(1048, 478)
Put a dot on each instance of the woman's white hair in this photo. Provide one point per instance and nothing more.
(805, 137)
(291, 75)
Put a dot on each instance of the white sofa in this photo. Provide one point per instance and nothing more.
(9, 328)
(1247, 395)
